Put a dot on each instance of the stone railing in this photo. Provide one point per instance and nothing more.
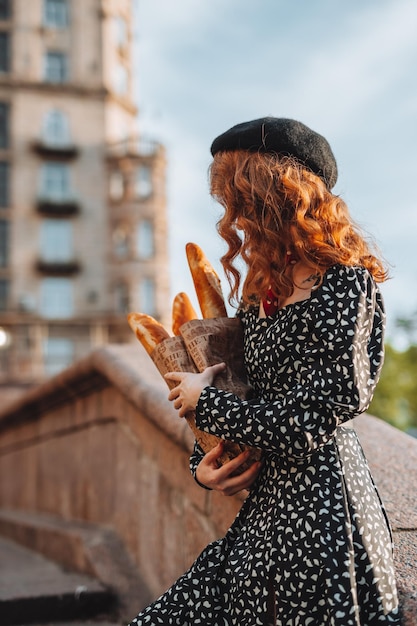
(97, 456)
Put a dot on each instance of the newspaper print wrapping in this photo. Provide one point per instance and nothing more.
(203, 343)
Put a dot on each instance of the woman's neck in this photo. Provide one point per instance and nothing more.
(304, 280)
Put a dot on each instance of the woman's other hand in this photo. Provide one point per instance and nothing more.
(186, 393)
(222, 478)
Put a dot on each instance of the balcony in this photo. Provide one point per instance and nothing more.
(58, 267)
(63, 150)
(58, 205)
(133, 147)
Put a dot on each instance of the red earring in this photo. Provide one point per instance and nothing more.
(270, 303)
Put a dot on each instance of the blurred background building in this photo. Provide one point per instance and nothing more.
(83, 231)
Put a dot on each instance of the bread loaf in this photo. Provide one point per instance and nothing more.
(182, 312)
(148, 331)
(206, 282)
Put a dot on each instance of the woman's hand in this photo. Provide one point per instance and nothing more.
(186, 394)
(221, 478)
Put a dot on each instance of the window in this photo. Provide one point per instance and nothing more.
(120, 30)
(55, 181)
(121, 298)
(147, 296)
(116, 185)
(120, 80)
(55, 67)
(121, 242)
(4, 294)
(144, 239)
(4, 52)
(56, 298)
(55, 13)
(4, 184)
(56, 241)
(4, 243)
(58, 353)
(143, 181)
(55, 129)
(4, 125)
(4, 9)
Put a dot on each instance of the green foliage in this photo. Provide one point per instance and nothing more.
(395, 398)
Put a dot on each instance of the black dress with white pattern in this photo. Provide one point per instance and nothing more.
(312, 531)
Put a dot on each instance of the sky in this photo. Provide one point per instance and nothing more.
(346, 69)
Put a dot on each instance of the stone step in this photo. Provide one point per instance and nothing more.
(34, 590)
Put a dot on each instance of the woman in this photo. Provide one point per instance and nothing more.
(311, 544)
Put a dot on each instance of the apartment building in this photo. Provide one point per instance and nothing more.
(83, 225)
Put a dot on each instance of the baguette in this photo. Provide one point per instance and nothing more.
(206, 283)
(148, 331)
(182, 312)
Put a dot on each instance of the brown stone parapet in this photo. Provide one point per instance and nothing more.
(128, 368)
(100, 444)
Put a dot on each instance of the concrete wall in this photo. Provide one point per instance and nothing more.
(100, 444)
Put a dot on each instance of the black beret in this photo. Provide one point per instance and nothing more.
(282, 136)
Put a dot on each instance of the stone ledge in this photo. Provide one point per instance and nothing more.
(127, 367)
(392, 457)
(35, 588)
(405, 558)
(82, 547)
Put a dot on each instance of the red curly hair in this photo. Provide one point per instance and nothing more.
(274, 205)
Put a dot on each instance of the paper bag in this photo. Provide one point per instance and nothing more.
(204, 343)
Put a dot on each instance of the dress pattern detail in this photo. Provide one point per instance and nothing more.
(312, 532)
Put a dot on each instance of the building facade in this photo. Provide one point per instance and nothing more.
(83, 231)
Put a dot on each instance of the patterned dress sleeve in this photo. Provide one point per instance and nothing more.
(337, 371)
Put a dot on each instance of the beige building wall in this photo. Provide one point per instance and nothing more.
(86, 217)
(87, 183)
